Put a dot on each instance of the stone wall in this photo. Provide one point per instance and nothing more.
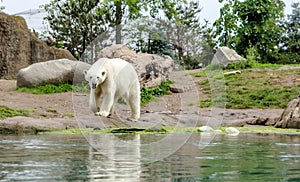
(19, 47)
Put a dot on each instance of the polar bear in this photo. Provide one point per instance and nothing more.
(110, 79)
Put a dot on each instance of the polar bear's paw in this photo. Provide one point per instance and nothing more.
(102, 113)
(133, 118)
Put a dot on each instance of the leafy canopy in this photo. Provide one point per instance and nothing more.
(251, 23)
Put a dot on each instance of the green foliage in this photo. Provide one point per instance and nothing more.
(160, 47)
(6, 112)
(148, 94)
(255, 89)
(251, 60)
(75, 23)
(52, 88)
(243, 24)
(191, 63)
(243, 64)
(290, 48)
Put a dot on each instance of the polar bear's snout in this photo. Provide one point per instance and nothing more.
(94, 85)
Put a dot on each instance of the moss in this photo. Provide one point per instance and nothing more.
(6, 112)
(169, 129)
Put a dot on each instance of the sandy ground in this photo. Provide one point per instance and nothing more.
(67, 110)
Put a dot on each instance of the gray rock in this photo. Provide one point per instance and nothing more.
(224, 56)
(258, 121)
(176, 88)
(151, 69)
(34, 125)
(290, 118)
(19, 47)
(54, 71)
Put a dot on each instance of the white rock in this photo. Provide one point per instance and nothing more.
(205, 129)
(232, 131)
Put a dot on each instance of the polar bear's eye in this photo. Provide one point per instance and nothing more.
(98, 77)
(103, 73)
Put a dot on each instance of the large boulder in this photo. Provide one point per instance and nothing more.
(151, 69)
(290, 118)
(19, 47)
(54, 71)
(225, 56)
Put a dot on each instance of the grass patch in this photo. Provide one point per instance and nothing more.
(148, 94)
(6, 112)
(270, 65)
(52, 88)
(198, 74)
(254, 89)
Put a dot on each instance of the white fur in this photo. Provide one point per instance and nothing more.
(109, 80)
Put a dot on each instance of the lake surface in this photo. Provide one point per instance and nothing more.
(246, 157)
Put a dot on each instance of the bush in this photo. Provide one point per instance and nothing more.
(147, 94)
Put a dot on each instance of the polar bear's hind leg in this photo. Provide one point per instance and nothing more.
(134, 101)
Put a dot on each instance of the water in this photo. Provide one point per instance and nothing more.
(246, 157)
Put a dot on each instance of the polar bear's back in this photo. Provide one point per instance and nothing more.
(116, 63)
(121, 71)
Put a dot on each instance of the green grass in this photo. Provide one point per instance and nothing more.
(254, 89)
(198, 74)
(52, 88)
(6, 112)
(270, 65)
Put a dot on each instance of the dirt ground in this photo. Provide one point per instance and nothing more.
(62, 110)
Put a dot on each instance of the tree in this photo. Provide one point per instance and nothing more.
(251, 23)
(78, 22)
(291, 40)
(118, 12)
(183, 37)
(189, 36)
(75, 22)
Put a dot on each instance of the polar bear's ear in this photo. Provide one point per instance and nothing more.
(84, 72)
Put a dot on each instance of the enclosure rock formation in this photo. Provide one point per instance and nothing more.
(224, 56)
(54, 72)
(151, 69)
(19, 47)
(290, 118)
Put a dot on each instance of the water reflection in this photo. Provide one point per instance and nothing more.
(246, 157)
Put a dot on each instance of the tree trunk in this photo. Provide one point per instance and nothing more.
(118, 22)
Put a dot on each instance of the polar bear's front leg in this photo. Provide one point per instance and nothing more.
(107, 104)
(93, 102)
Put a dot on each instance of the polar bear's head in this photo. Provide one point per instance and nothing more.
(95, 79)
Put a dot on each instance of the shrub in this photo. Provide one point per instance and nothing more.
(147, 94)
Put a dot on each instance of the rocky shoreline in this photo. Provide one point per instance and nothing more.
(54, 111)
